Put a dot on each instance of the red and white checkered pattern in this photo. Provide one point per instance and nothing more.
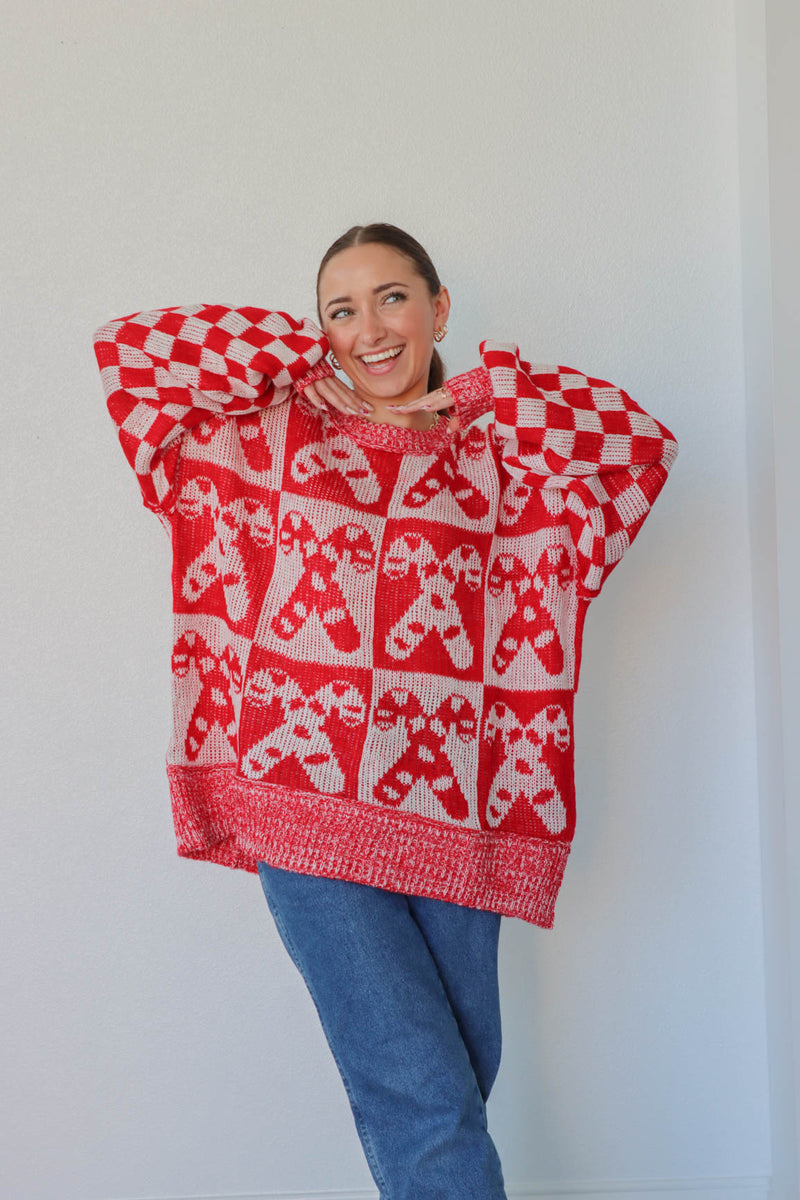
(559, 428)
(163, 371)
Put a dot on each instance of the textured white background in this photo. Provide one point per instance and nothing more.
(572, 166)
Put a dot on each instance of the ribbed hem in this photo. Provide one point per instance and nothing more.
(222, 817)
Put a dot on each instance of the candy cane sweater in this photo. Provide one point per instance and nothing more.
(377, 630)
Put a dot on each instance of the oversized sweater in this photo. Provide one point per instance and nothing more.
(377, 630)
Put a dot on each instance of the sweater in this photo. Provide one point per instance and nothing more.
(377, 630)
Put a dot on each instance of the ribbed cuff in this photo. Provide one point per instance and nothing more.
(472, 394)
(322, 370)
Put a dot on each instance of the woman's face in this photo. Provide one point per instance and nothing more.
(371, 299)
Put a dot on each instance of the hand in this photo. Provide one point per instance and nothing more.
(433, 402)
(332, 391)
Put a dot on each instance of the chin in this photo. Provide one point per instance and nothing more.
(388, 391)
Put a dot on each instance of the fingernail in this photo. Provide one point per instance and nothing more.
(366, 407)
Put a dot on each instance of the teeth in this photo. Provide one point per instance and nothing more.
(371, 358)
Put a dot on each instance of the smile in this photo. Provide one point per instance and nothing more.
(381, 355)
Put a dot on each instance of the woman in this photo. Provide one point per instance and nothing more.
(378, 611)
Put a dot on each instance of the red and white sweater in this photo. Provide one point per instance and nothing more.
(377, 630)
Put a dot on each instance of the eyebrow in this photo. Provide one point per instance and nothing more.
(381, 288)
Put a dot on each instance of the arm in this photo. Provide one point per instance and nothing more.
(560, 429)
(165, 370)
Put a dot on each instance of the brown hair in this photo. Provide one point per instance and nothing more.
(405, 244)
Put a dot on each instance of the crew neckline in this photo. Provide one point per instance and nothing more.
(383, 436)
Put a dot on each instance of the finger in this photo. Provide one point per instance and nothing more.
(435, 401)
(431, 402)
(341, 396)
(310, 392)
(314, 392)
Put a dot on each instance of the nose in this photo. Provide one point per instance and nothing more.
(372, 329)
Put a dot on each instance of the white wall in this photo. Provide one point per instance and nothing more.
(781, 842)
(768, 41)
(573, 168)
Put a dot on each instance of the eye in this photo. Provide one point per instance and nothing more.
(388, 296)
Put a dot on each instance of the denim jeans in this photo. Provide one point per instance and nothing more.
(406, 988)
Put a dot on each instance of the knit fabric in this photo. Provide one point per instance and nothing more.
(377, 630)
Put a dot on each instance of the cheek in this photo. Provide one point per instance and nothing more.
(416, 330)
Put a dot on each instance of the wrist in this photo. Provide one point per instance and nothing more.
(471, 394)
(321, 370)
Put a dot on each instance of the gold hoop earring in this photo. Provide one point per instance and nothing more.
(439, 333)
(335, 363)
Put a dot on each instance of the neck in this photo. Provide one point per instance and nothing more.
(381, 414)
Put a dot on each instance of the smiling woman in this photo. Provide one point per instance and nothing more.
(381, 305)
(377, 639)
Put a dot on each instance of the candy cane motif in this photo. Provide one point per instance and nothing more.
(531, 620)
(254, 442)
(425, 756)
(340, 453)
(523, 774)
(317, 590)
(445, 475)
(219, 674)
(252, 436)
(516, 497)
(301, 734)
(434, 607)
(221, 559)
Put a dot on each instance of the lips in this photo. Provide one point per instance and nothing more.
(361, 356)
(384, 366)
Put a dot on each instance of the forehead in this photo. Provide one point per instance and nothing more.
(363, 268)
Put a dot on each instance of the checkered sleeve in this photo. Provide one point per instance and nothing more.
(164, 371)
(558, 428)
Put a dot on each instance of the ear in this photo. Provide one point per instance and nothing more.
(442, 308)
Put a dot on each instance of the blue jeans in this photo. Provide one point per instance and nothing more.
(406, 988)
